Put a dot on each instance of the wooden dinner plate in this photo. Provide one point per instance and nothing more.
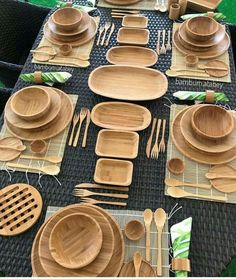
(52, 129)
(9, 154)
(194, 154)
(17, 122)
(203, 144)
(122, 2)
(121, 116)
(146, 270)
(80, 40)
(128, 82)
(131, 55)
(53, 269)
(133, 36)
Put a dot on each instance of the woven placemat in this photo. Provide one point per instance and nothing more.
(56, 147)
(194, 172)
(178, 61)
(83, 50)
(124, 216)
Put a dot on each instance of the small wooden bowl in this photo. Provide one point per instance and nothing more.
(212, 122)
(30, 103)
(191, 60)
(176, 166)
(75, 240)
(65, 49)
(67, 19)
(38, 146)
(134, 230)
(202, 28)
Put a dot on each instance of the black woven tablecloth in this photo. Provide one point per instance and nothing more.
(214, 226)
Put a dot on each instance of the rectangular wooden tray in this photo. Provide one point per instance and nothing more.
(135, 21)
(203, 5)
(133, 36)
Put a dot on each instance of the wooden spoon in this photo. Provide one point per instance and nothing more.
(50, 170)
(51, 159)
(172, 73)
(147, 216)
(171, 182)
(51, 52)
(63, 62)
(157, 5)
(137, 258)
(204, 67)
(176, 69)
(17, 148)
(160, 219)
(211, 175)
(180, 193)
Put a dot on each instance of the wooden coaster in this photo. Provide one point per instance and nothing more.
(20, 208)
(146, 270)
(217, 64)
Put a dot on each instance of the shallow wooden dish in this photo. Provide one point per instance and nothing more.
(176, 166)
(121, 116)
(190, 47)
(54, 109)
(30, 103)
(146, 270)
(122, 2)
(194, 154)
(134, 230)
(75, 240)
(9, 154)
(201, 144)
(212, 122)
(67, 18)
(130, 36)
(217, 64)
(114, 172)
(203, 5)
(135, 21)
(131, 55)
(117, 144)
(53, 128)
(51, 268)
(128, 82)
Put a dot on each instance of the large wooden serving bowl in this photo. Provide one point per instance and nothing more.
(75, 240)
(212, 122)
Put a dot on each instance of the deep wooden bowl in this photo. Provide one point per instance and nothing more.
(75, 241)
(176, 166)
(212, 122)
(67, 19)
(38, 146)
(202, 28)
(134, 230)
(30, 103)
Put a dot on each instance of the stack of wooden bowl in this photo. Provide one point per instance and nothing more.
(78, 241)
(202, 36)
(70, 26)
(38, 112)
(206, 134)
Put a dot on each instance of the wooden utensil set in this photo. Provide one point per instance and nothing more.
(163, 45)
(105, 33)
(119, 13)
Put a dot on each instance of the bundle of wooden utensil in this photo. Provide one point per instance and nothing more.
(118, 13)
(78, 241)
(105, 33)
(164, 47)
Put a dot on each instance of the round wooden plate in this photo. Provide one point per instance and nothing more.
(122, 2)
(20, 205)
(9, 154)
(146, 270)
(43, 57)
(17, 122)
(82, 38)
(53, 269)
(52, 129)
(202, 144)
(194, 154)
(217, 64)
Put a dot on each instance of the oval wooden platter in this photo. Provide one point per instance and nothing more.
(194, 154)
(121, 116)
(9, 154)
(146, 270)
(128, 82)
(131, 55)
(53, 269)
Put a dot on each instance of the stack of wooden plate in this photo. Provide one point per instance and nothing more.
(206, 134)
(202, 36)
(38, 112)
(78, 241)
(70, 26)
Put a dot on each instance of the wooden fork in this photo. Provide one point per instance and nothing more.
(163, 48)
(75, 121)
(162, 146)
(82, 115)
(107, 26)
(86, 193)
(155, 149)
(93, 201)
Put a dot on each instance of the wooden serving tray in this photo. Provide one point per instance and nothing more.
(131, 36)
(203, 5)
(135, 21)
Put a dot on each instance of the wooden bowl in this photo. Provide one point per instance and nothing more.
(176, 166)
(30, 103)
(75, 241)
(212, 122)
(67, 19)
(65, 49)
(191, 60)
(202, 28)
(38, 146)
(134, 230)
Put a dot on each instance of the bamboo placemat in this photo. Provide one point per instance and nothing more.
(194, 172)
(122, 217)
(56, 147)
(178, 61)
(147, 5)
(83, 50)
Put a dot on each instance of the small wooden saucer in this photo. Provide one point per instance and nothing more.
(9, 154)
(146, 270)
(217, 64)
